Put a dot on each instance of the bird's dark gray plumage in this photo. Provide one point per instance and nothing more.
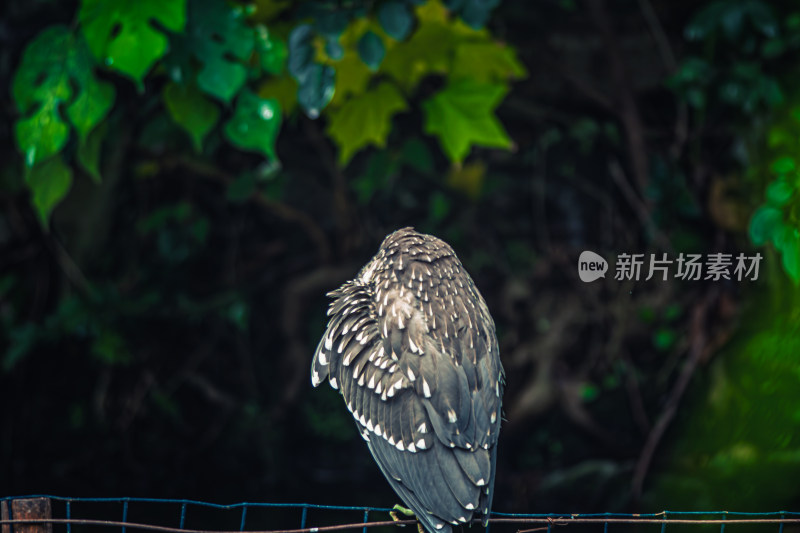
(412, 348)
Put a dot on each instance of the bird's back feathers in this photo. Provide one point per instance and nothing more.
(412, 348)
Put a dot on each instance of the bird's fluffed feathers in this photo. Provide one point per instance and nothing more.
(412, 348)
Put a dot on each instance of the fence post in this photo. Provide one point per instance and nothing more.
(6, 528)
(30, 509)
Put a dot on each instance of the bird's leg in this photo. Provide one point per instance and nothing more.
(408, 512)
(400, 509)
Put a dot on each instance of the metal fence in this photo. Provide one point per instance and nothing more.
(39, 514)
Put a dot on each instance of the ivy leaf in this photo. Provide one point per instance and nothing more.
(476, 12)
(316, 89)
(486, 62)
(190, 110)
(395, 19)
(316, 82)
(352, 75)
(255, 124)
(121, 33)
(222, 41)
(763, 225)
(329, 22)
(272, 51)
(49, 182)
(365, 119)
(787, 240)
(371, 50)
(88, 153)
(462, 115)
(301, 51)
(56, 69)
(779, 192)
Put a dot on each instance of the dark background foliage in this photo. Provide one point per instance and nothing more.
(158, 324)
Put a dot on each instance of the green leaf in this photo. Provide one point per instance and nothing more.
(664, 339)
(415, 153)
(222, 41)
(779, 192)
(371, 49)
(439, 206)
(790, 248)
(122, 35)
(783, 165)
(56, 70)
(486, 62)
(283, 89)
(381, 167)
(334, 49)
(190, 110)
(462, 115)
(764, 223)
(365, 119)
(427, 51)
(316, 82)
(271, 50)
(330, 22)
(49, 182)
(41, 135)
(476, 12)
(88, 153)
(255, 124)
(301, 51)
(316, 89)
(352, 77)
(395, 19)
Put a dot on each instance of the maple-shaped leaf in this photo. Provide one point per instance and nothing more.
(352, 77)
(429, 50)
(122, 35)
(462, 115)
(365, 119)
(486, 61)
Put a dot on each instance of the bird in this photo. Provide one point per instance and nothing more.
(411, 346)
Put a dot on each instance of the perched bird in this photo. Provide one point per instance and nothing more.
(412, 348)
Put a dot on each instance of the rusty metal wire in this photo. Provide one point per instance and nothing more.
(546, 521)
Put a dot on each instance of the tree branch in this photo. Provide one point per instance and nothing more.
(627, 109)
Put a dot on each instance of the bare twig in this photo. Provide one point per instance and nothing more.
(278, 209)
(660, 37)
(638, 205)
(343, 213)
(627, 111)
(583, 86)
(697, 347)
(668, 56)
(295, 300)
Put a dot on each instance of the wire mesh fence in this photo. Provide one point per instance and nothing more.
(46, 514)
